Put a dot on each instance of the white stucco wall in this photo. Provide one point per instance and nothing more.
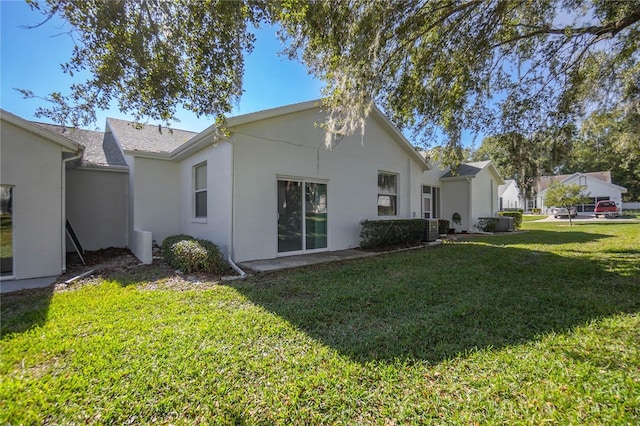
(455, 197)
(155, 200)
(292, 146)
(216, 227)
(33, 166)
(484, 198)
(97, 209)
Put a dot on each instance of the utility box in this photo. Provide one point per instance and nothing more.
(505, 224)
(430, 230)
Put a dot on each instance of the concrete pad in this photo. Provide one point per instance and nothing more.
(286, 262)
(26, 284)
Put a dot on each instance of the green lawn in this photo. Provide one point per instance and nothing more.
(535, 327)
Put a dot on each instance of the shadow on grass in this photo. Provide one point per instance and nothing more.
(435, 304)
(24, 310)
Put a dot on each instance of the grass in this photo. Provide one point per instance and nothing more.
(526, 328)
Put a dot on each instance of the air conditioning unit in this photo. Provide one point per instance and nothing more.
(505, 224)
(430, 230)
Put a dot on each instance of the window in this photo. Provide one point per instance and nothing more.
(200, 190)
(6, 230)
(387, 194)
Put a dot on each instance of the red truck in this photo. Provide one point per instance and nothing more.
(606, 209)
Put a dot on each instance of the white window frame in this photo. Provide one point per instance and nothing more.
(13, 235)
(197, 191)
(393, 193)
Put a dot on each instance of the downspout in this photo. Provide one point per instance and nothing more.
(231, 236)
(63, 207)
(470, 212)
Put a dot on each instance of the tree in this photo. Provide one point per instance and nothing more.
(566, 196)
(526, 159)
(610, 141)
(153, 56)
(505, 66)
(515, 157)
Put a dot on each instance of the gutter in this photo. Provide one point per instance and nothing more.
(63, 206)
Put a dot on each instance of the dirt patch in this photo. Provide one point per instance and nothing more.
(121, 266)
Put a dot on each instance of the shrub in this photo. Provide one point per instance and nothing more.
(443, 226)
(517, 218)
(383, 233)
(536, 211)
(487, 224)
(192, 255)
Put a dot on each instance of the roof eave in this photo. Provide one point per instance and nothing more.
(150, 155)
(67, 144)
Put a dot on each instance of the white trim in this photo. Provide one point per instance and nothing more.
(397, 176)
(195, 191)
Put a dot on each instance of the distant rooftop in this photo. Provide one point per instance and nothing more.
(545, 181)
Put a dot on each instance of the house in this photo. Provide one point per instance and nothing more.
(33, 243)
(468, 193)
(509, 196)
(598, 187)
(270, 187)
(264, 188)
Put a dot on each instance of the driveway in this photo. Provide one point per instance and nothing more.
(589, 217)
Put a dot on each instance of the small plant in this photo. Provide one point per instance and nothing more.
(192, 255)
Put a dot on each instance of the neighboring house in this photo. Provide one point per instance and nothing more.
(509, 195)
(33, 179)
(267, 187)
(598, 187)
(469, 193)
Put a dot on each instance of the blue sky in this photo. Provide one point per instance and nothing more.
(31, 58)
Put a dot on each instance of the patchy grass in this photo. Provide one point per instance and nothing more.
(535, 327)
(532, 217)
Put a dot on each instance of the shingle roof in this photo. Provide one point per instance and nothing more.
(545, 181)
(467, 169)
(148, 138)
(99, 149)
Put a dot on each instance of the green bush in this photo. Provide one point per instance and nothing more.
(443, 226)
(487, 224)
(384, 233)
(193, 255)
(517, 218)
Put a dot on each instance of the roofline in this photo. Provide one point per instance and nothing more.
(146, 154)
(622, 189)
(212, 134)
(400, 138)
(499, 181)
(103, 168)
(65, 143)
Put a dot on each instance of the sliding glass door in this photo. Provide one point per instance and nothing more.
(302, 216)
